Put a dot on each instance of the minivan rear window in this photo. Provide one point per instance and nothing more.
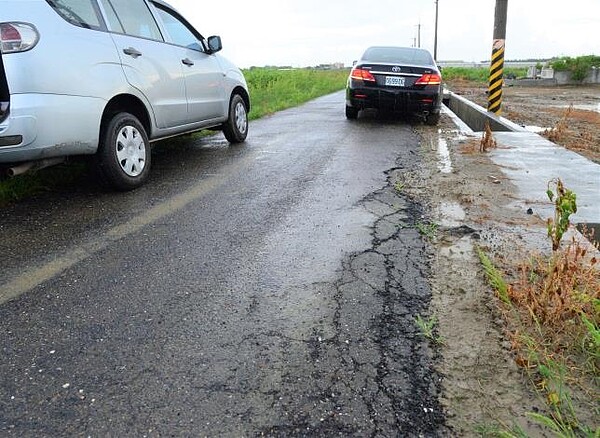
(82, 13)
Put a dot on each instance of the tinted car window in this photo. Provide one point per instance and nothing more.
(180, 34)
(398, 55)
(136, 19)
(83, 13)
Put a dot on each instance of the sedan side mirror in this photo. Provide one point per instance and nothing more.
(214, 44)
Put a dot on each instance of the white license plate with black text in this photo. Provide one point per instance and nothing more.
(394, 81)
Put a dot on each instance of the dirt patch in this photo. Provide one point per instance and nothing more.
(484, 391)
(578, 107)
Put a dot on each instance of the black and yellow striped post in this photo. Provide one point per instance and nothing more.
(496, 81)
(496, 78)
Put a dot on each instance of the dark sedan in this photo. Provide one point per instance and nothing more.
(403, 80)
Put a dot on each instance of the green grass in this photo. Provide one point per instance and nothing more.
(479, 74)
(271, 90)
(40, 181)
(494, 277)
(427, 328)
(427, 230)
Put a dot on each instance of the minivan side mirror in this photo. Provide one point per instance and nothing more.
(214, 44)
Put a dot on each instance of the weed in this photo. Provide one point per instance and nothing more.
(428, 230)
(554, 324)
(487, 139)
(494, 277)
(399, 186)
(561, 127)
(498, 431)
(565, 204)
(427, 328)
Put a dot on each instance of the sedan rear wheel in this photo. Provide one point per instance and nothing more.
(432, 119)
(236, 126)
(124, 153)
(351, 112)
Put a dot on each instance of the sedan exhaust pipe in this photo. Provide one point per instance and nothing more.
(34, 165)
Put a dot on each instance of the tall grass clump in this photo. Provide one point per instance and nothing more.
(273, 90)
(552, 313)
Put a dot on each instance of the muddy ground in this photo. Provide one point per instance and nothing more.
(484, 391)
(542, 108)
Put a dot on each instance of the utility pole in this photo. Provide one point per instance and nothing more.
(419, 35)
(436, 32)
(497, 65)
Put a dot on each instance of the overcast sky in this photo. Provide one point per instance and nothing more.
(310, 32)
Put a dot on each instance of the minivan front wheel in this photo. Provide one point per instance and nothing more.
(236, 126)
(124, 153)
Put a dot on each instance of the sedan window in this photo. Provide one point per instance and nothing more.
(398, 55)
(135, 18)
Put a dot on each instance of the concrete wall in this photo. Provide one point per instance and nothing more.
(476, 117)
(566, 78)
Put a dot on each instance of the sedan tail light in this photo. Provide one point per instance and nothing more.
(429, 79)
(362, 75)
(17, 37)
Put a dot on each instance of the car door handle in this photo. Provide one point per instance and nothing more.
(188, 62)
(132, 52)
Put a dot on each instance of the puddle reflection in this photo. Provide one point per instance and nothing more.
(445, 164)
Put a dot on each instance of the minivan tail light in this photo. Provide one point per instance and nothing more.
(17, 37)
(362, 75)
(429, 79)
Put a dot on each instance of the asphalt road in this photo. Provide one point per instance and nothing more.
(262, 289)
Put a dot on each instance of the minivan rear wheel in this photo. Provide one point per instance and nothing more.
(123, 157)
(236, 126)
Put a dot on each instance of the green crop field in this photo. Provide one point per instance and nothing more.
(273, 90)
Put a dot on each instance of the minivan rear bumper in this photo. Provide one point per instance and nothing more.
(50, 125)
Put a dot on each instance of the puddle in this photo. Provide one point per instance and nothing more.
(445, 164)
(535, 129)
(586, 107)
(460, 135)
(451, 214)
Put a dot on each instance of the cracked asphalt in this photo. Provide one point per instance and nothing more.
(268, 289)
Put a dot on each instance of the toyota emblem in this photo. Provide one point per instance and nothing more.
(396, 69)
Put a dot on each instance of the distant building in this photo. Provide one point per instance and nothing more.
(333, 66)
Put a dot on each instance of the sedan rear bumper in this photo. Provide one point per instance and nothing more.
(417, 102)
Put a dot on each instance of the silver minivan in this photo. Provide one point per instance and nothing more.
(106, 78)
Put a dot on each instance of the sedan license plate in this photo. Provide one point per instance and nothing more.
(394, 81)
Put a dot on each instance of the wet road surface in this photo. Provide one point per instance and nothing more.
(263, 289)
